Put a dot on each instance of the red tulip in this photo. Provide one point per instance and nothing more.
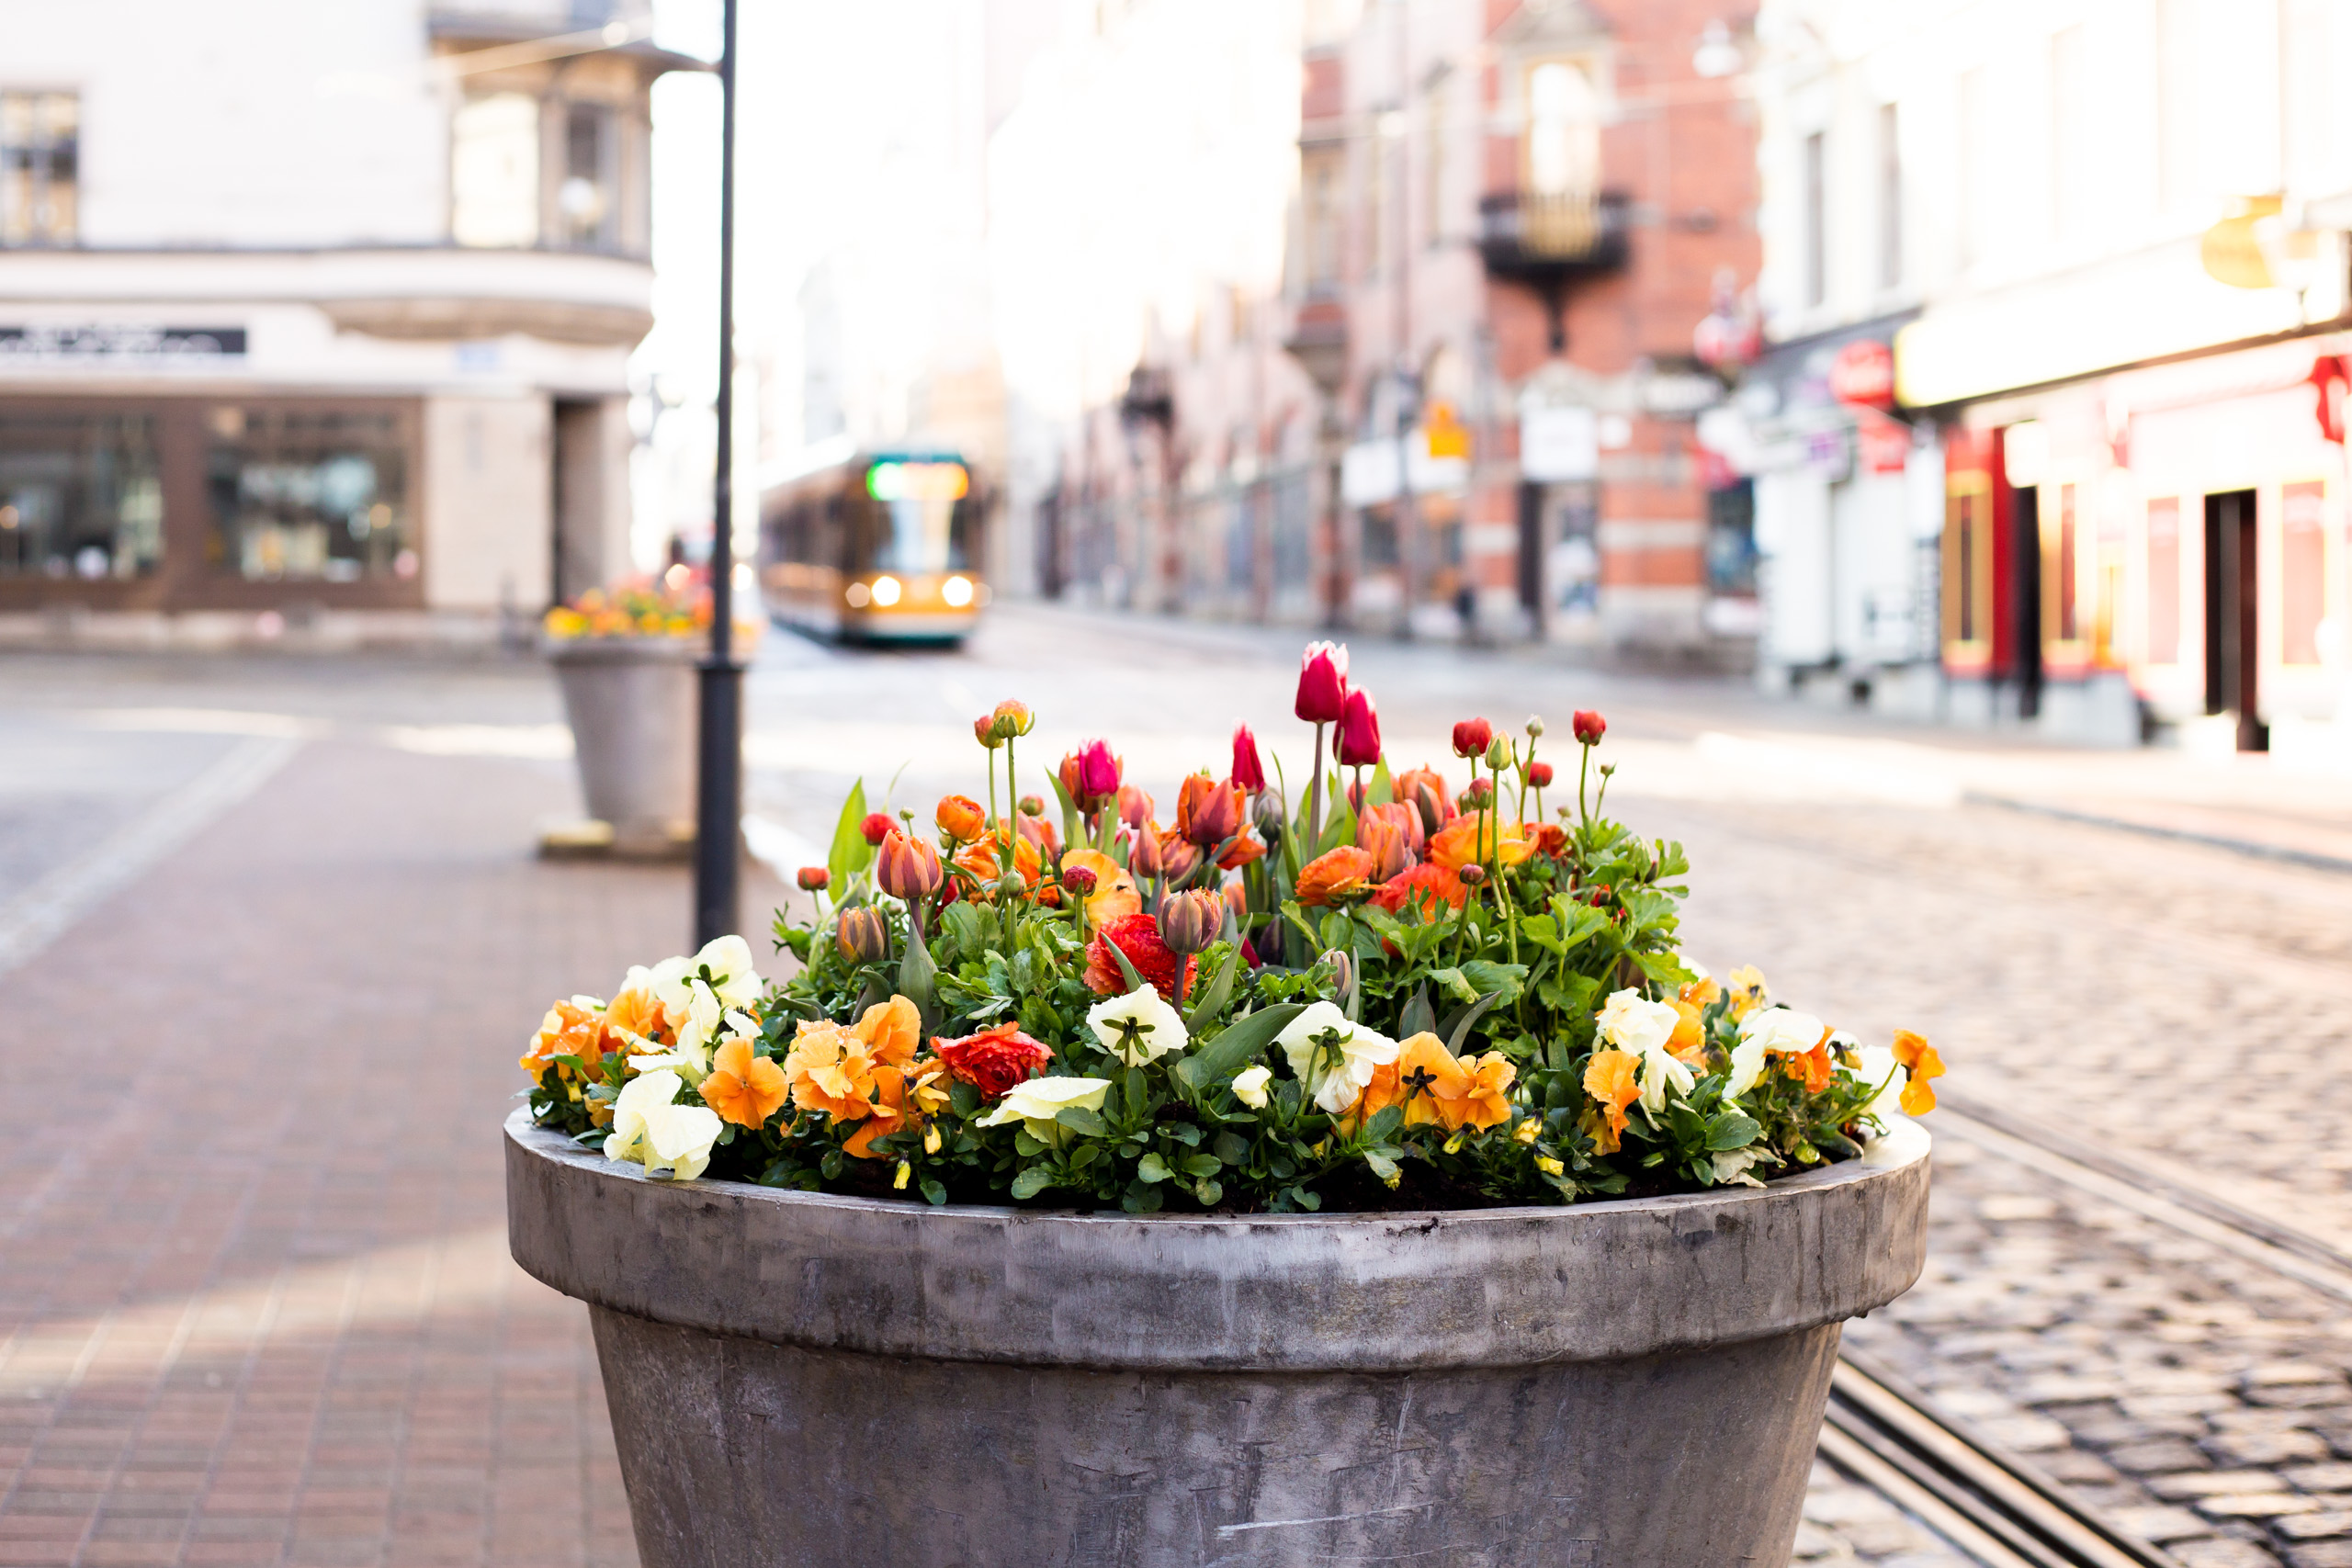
(1322, 683)
(1247, 770)
(1360, 731)
(876, 827)
(1472, 737)
(1590, 726)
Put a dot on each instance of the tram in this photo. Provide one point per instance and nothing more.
(874, 547)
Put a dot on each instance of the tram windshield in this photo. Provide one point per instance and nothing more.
(917, 516)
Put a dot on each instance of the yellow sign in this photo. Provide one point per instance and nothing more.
(1447, 436)
(2230, 250)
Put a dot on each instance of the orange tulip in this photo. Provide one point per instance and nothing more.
(961, 818)
(1920, 1062)
(829, 1069)
(907, 868)
(1208, 811)
(743, 1087)
(1332, 875)
(1407, 819)
(1384, 839)
(1114, 891)
(1609, 1080)
(1424, 789)
(1243, 849)
(892, 1031)
(1470, 839)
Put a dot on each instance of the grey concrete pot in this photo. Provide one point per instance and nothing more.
(803, 1379)
(631, 703)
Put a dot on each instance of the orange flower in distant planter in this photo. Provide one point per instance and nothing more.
(829, 1069)
(743, 1087)
(639, 1013)
(568, 1029)
(1815, 1067)
(1333, 875)
(1609, 1080)
(1920, 1062)
(1690, 1041)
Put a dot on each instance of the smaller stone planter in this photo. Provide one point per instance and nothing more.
(631, 703)
(806, 1379)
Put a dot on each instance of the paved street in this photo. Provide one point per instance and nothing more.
(253, 1301)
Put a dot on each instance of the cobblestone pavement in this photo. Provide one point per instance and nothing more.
(255, 1306)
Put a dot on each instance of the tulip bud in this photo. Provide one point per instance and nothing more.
(1011, 885)
(876, 827)
(1270, 817)
(1472, 737)
(1249, 773)
(1012, 719)
(1589, 727)
(961, 818)
(1360, 731)
(862, 935)
(907, 868)
(1235, 894)
(1498, 752)
(1341, 965)
(1535, 727)
(1538, 774)
(1472, 874)
(813, 878)
(1134, 806)
(1189, 922)
(1207, 812)
(1079, 881)
(1033, 806)
(1322, 683)
(1092, 775)
(1431, 805)
(1177, 860)
(984, 730)
(1143, 852)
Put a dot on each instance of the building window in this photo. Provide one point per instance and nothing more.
(1731, 538)
(81, 495)
(2303, 571)
(1816, 219)
(494, 172)
(308, 494)
(39, 168)
(585, 202)
(2164, 581)
(1890, 199)
(1562, 130)
(1321, 178)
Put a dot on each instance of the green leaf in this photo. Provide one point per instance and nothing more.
(1417, 1017)
(1462, 1029)
(1237, 1044)
(1078, 1119)
(1504, 980)
(1213, 1000)
(1382, 1166)
(1384, 1122)
(1032, 1180)
(1731, 1130)
(851, 853)
(964, 1097)
(1231, 1148)
(1202, 1165)
(1151, 1168)
(918, 977)
(1208, 1192)
(1381, 790)
(962, 924)
(1070, 809)
(1134, 982)
(933, 1193)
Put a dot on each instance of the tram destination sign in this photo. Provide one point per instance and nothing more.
(115, 343)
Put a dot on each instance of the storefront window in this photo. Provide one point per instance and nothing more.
(301, 495)
(80, 496)
(1731, 539)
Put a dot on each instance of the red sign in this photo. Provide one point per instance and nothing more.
(1863, 375)
(1885, 444)
(2329, 380)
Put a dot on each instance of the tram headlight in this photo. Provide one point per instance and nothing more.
(857, 595)
(887, 591)
(957, 590)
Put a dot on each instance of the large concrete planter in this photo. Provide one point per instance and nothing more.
(802, 1379)
(631, 703)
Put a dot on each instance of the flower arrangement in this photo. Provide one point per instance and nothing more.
(1401, 994)
(677, 603)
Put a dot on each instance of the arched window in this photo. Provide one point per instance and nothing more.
(1562, 130)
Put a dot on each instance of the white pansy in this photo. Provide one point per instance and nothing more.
(1774, 1029)
(728, 959)
(1879, 1066)
(1733, 1167)
(1631, 1022)
(1661, 1071)
(1036, 1103)
(1138, 1027)
(667, 983)
(648, 1126)
(699, 1032)
(1334, 1058)
(1249, 1087)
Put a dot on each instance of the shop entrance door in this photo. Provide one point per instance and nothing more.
(2232, 641)
(2028, 547)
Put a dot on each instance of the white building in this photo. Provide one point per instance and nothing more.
(319, 309)
(2103, 240)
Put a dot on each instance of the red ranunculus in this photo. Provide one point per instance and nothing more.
(1589, 727)
(1538, 774)
(1138, 936)
(1472, 737)
(995, 1059)
(876, 827)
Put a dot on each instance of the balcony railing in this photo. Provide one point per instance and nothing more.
(1528, 233)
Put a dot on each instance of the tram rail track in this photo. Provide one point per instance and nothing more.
(1995, 1506)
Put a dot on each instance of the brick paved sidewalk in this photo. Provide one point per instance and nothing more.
(256, 1305)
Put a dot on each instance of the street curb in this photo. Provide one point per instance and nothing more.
(2254, 848)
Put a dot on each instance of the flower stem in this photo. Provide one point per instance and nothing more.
(1314, 795)
(1584, 764)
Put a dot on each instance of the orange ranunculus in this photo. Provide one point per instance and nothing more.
(640, 1012)
(1609, 1080)
(1435, 1085)
(892, 1031)
(905, 1096)
(1240, 852)
(1425, 884)
(1114, 892)
(982, 861)
(1383, 838)
(829, 1069)
(743, 1087)
(568, 1029)
(1920, 1062)
(961, 818)
(1333, 875)
(1424, 789)
(1470, 839)
(1551, 838)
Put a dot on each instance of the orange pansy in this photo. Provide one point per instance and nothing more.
(1609, 1080)
(1921, 1063)
(743, 1087)
(1814, 1066)
(904, 1095)
(641, 1014)
(892, 1031)
(568, 1029)
(828, 1069)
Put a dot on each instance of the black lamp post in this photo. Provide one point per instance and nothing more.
(718, 788)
